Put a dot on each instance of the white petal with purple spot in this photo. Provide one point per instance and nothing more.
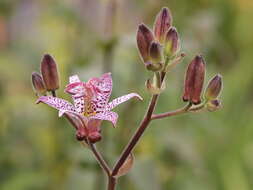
(122, 99)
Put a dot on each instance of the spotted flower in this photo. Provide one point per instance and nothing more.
(91, 99)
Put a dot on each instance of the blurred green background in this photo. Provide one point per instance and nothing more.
(205, 151)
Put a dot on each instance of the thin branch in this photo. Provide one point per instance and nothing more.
(135, 138)
(185, 109)
(96, 153)
(139, 132)
(197, 108)
(100, 159)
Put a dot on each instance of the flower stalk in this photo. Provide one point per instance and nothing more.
(160, 52)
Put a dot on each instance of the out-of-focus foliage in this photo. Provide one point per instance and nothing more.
(87, 37)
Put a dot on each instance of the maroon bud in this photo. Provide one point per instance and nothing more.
(214, 88)
(155, 52)
(38, 84)
(144, 39)
(49, 73)
(194, 80)
(171, 45)
(162, 24)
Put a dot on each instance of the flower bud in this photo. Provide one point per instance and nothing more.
(49, 73)
(162, 24)
(214, 88)
(38, 84)
(194, 80)
(144, 39)
(155, 52)
(213, 105)
(171, 44)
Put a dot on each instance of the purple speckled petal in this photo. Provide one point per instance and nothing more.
(107, 115)
(78, 101)
(122, 99)
(75, 87)
(57, 103)
(103, 89)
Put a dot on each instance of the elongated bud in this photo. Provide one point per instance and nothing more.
(214, 88)
(194, 80)
(162, 24)
(144, 39)
(49, 73)
(38, 83)
(213, 105)
(171, 44)
(155, 52)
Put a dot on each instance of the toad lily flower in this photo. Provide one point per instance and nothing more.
(91, 99)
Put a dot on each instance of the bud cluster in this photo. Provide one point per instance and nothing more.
(48, 80)
(194, 80)
(159, 49)
(160, 52)
(155, 47)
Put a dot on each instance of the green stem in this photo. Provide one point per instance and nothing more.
(158, 79)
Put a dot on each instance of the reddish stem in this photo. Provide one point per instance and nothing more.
(172, 113)
(100, 159)
(111, 183)
(135, 138)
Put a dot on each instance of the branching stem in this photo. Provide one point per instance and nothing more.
(185, 109)
(100, 159)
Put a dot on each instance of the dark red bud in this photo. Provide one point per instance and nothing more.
(38, 84)
(194, 80)
(144, 39)
(171, 45)
(49, 73)
(162, 24)
(214, 88)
